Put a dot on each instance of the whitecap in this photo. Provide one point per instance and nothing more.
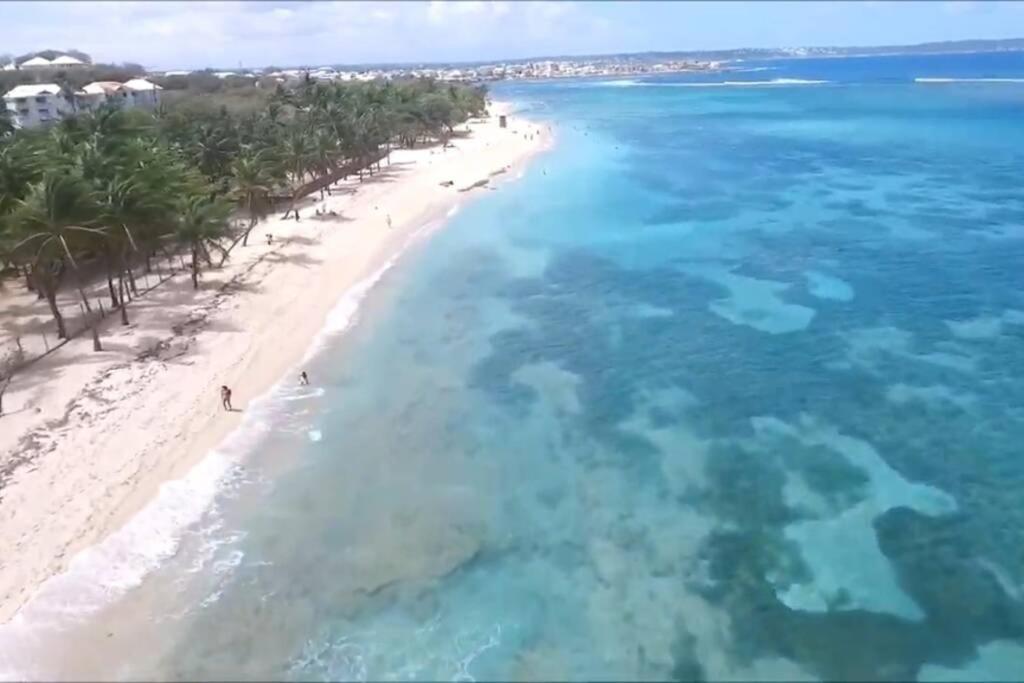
(304, 394)
(620, 83)
(968, 80)
(744, 84)
(628, 83)
(101, 573)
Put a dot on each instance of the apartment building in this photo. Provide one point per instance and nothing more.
(42, 104)
(37, 104)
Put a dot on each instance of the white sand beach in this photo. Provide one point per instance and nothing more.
(89, 437)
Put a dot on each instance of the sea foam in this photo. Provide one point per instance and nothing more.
(969, 80)
(103, 572)
(713, 84)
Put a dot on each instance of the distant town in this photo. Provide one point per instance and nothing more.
(45, 90)
(42, 87)
(543, 69)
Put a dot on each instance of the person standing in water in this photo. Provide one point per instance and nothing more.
(303, 378)
(225, 397)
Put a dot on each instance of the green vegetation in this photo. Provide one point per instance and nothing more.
(107, 192)
(203, 91)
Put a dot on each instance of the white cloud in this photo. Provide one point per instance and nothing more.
(221, 34)
(446, 11)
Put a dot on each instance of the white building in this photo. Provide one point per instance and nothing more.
(92, 96)
(37, 105)
(142, 93)
(36, 63)
(39, 63)
(324, 74)
(40, 105)
(65, 61)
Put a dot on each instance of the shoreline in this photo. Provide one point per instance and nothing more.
(142, 419)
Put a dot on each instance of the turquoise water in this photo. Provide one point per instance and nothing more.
(729, 385)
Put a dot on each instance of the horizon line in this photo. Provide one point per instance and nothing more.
(692, 53)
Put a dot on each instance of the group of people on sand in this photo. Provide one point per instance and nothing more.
(225, 392)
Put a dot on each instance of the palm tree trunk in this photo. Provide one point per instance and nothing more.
(3, 387)
(94, 328)
(126, 268)
(252, 221)
(124, 306)
(124, 261)
(82, 294)
(78, 275)
(125, 289)
(195, 265)
(50, 294)
(291, 206)
(252, 224)
(110, 286)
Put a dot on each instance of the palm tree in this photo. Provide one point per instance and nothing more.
(107, 184)
(201, 222)
(18, 168)
(21, 162)
(159, 176)
(296, 156)
(251, 184)
(134, 201)
(324, 154)
(211, 148)
(59, 211)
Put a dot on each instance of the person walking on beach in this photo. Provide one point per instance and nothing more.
(303, 378)
(389, 221)
(225, 397)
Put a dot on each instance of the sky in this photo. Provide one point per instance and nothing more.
(164, 35)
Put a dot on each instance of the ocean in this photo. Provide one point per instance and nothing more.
(728, 385)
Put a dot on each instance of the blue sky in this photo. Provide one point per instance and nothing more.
(197, 34)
